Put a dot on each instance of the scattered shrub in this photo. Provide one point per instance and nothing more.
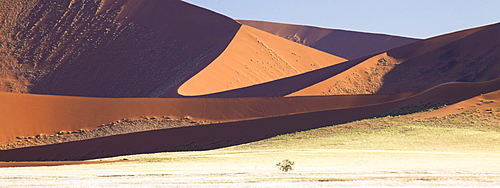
(40, 136)
(285, 165)
(81, 131)
(383, 61)
(487, 102)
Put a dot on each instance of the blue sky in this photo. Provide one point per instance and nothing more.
(411, 18)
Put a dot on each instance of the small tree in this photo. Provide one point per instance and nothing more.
(285, 165)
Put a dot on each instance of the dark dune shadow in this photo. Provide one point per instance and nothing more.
(285, 86)
(473, 58)
(116, 48)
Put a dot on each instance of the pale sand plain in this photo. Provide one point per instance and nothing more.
(314, 168)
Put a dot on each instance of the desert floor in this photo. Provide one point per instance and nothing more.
(240, 168)
(391, 151)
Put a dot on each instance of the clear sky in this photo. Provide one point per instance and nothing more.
(411, 18)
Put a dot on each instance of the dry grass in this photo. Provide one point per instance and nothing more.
(471, 131)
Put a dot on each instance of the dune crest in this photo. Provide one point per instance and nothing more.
(255, 57)
(346, 44)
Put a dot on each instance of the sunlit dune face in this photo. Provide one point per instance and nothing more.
(255, 57)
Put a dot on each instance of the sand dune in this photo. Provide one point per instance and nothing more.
(376, 74)
(30, 115)
(255, 57)
(204, 66)
(225, 134)
(140, 49)
(346, 44)
(285, 86)
(464, 56)
(473, 58)
(113, 48)
(366, 77)
(485, 103)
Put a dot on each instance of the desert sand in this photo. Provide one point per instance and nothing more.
(211, 88)
(255, 57)
(327, 168)
(30, 115)
(113, 48)
(486, 103)
(231, 133)
(414, 67)
(366, 77)
(346, 44)
(418, 66)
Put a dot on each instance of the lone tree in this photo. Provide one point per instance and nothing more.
(285, 165)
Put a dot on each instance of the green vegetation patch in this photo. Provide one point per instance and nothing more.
(471, 131)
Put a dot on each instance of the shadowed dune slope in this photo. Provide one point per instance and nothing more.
(47, 163)
(231, 133)
(30, 115)
(465, 56)
(109, 48)
(346, 44)
(255, 57)
(474, 58)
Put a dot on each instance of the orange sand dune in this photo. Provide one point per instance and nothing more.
(142, 48)
(285, 86)
(346, 44)
(473, 58)
(111, 48)
(255, 57)
(363, 78)
(231, 133)
(30, 115)
(486, 103)
(465, 56)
